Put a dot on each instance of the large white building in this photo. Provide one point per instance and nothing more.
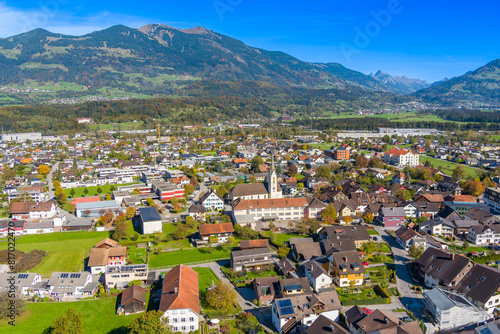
(484, 234)
(451, 310)
(401, 158)
(20, 137)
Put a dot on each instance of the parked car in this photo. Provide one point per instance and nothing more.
(375, 238)
(365, 263)
(175, 220)
(366, 310)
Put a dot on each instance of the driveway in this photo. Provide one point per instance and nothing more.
(403, 280)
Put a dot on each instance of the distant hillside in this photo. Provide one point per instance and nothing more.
(402, 84)
(481, 85)
(153, 60)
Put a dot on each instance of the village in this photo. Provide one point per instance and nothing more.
(391, 231)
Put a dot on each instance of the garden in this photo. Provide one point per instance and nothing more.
(243, 279)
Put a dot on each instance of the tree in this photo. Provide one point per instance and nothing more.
(465, 245)
(292, 170)
(56, 184)
(72, 192)
(323, 171)
(194, 181)
(191, 222)
(347, 219)
(368, 247)
(150, 201)
(221, 191)
(150, 322)
(69, 323)
(99, 190)
(6, 301)
(130, 212)
(252, 179)
(329, 214)
(62, 198)
(256, 162)
(415, 251)
(283, 252)
(121, 228)
(221, 297)
(474, 188)
(43, 169)
(85, 191)
(112, 188)
(188, 189)
(368, 218)
(459, 172)
(180, 232)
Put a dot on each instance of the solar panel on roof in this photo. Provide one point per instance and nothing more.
(64, 275)
(75, 276)
(21, 276)
(285, 307)
(292, 287)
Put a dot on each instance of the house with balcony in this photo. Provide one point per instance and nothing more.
(120, 277)
(221, 232)
(484, 234)
(102, 258)
(251, 259)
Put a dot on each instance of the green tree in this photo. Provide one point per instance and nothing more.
(180, 232)
(61, 198)
(99, 190)
(368, 247)
(6, 301)
(329, 214)
(256, 162)
(414, 252)
(222, 191)
(121, 228)
(150, 322)
(85, 191)
(221, 297)
(283, 252)
(323, 171)
(130, 212)
(459, 172)
(465, 245)
(72, 192)
(188, 189)
(70, 322)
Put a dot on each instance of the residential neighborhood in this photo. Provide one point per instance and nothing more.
(297, 235)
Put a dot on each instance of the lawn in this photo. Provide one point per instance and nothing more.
(372, 232)
(117, 126)
(187, 256)
(285, 237)
(92, 191)
(448, 166)
(206, 278)
(66, 251)
(99, 316)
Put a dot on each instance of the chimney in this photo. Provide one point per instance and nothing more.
(452, 256)
(386, 320)
(345, 259)
(176, 289)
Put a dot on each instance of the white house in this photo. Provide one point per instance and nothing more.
(317, 275)
(22, 282)
(150, 220)
(71, 284)
(212, 201)
(180, 301)
(484, 234)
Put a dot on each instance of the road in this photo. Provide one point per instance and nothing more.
(409, 298)
(49, 180)
(203, 190)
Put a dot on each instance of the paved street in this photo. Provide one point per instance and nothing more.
(409, 298)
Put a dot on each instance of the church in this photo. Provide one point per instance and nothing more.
(267, 190)
(265, 202)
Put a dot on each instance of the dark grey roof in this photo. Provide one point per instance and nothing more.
(324, 325)
(149, 214)
(443, 265)
(197, 208)
(480, 283)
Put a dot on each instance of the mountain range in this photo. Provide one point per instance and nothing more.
(157, 59)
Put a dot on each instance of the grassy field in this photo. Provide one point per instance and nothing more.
(322, 146)
(448, 166)
(372, 232)
(187, 256)
(66, 251)
(99, 316)
(92, 191)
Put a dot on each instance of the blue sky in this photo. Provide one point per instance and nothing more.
(419, 38)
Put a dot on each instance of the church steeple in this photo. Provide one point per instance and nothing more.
(272, 181)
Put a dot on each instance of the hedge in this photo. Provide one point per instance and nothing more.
(366, 301)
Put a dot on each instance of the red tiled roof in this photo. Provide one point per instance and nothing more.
(208, 229)
(180, 290)
(270, 203)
